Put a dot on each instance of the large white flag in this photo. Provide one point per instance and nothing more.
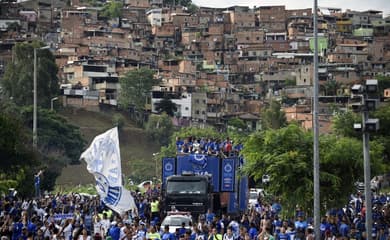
(104, 162)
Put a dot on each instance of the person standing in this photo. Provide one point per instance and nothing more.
(37, 184)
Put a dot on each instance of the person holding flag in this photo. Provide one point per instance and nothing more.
(37, 184)
(104, 162)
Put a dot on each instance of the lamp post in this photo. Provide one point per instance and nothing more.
(316, 155)
(155, 155)
(52, 102)
(35, 137)
(365, 104)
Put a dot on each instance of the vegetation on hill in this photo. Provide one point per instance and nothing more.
(59, 144)
(136, 148)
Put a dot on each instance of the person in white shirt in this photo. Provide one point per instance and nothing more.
(67, 229)
(97, 225)
(84, 235)
(105, 225)
(229, 234)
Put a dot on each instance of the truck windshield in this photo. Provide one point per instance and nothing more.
(186, 187)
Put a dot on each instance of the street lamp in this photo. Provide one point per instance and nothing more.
(364, 94)
(52, 102)
(155, 155)
(35, 138)
(316, 125)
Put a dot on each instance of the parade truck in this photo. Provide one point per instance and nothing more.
(198, 182)
(188, 192)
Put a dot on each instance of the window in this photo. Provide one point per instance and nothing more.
(186, 108)
(197, 112)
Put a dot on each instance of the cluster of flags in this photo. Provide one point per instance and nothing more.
(104, 162)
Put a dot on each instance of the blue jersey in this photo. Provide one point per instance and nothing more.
(167, 236)
(283, 236)
(252, 233)
(17, 230)
(209, 217)
(291, 235)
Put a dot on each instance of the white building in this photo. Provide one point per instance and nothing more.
(182, 101)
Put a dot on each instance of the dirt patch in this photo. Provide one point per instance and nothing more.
(136, 150)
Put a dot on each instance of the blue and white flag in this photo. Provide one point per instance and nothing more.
(104, 162)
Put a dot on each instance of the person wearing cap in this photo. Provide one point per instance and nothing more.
(140, 231)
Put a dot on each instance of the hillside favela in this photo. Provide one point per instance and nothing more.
(164, 119)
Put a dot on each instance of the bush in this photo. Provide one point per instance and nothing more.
(118, 120)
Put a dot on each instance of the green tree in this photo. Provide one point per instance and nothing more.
(135, 87)
(237, 123)
(273, 117)
(59, 144)
(17, 160)
(383, 83)
(159, 128)
(331, 87)
(17, 81)
(290, 82)
(192, 8)
(166, 105)
(383, 135)
(57, 138)
(342, 124)
(118, 120)
(112, 10)
(184, 3)
(286, 156)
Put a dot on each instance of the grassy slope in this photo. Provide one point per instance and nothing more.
(136, 150)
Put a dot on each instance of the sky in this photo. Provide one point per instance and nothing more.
(358, 5)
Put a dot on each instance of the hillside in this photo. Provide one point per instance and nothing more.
(136, 150)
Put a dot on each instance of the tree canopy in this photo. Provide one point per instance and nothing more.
(159, 128)
(17, 81)
(343, 126)
(112, 9)
(166, 105)
(273, 117)
(286, 156)
(135, 87)
(184, 3)
(59, 144)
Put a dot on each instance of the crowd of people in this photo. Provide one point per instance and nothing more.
(77, 216)
(210, 146)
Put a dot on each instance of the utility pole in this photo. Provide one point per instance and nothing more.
(35, 101)
(316, 155)
(366, 104)
(35, 134)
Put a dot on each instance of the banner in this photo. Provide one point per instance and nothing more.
(168, 168)
(200, 164)
(228, 174)
(104, 162)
